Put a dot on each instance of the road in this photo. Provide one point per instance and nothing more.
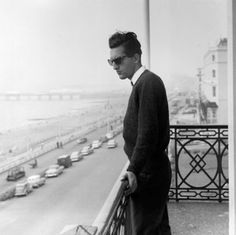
(75, 197)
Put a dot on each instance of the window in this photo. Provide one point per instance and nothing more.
(213, 73)
(214, 91)
(214, 113)
(214, 116)
(213, 58)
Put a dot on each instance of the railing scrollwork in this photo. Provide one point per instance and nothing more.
(199, 156)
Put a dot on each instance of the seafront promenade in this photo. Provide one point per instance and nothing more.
(75, 196)
(51, 145)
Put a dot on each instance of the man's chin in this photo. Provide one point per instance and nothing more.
(122, 77)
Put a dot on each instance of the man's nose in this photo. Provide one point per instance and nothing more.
(115, 66)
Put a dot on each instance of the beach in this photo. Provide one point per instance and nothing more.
(18, 140)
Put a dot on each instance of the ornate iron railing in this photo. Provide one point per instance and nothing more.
(112, 218)
(199, 157)
(117, 223)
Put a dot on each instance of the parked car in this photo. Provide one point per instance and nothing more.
(36, 181)
(86, 150)
(23, 188)
(75, 156)
(109, 135)
(111, 143)
(103, 139)
(96, 144)
(54, 170)
(64, 160)
(15, 173)
(82, 140)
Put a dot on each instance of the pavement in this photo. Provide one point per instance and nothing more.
(198, 218)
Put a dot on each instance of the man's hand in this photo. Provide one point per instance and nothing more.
(132, 180)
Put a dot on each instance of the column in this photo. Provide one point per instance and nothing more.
(232, 113)
(146, 8)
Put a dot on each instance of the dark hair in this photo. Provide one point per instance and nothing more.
(128, 40)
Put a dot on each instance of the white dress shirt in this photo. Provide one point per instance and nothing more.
(137, 74)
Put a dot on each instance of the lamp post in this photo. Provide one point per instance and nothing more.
(199, 75)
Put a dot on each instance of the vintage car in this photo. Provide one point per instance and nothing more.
(86, 150)
(36, 180)
(54, 170)
(15, 173)
(64, 160)
(81, 140)
(76, 156)
(110, 135)
(103, 139)
(96, 144)
(112, 143)
(23, 188)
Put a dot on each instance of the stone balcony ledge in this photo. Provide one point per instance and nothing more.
(198, 218)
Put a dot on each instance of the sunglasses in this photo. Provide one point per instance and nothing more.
(117, 60)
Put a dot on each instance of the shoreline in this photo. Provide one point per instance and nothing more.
(17, 140)
(39, 120)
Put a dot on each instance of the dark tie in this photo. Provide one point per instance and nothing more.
(132, 84)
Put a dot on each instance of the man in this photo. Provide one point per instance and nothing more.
(146, 136)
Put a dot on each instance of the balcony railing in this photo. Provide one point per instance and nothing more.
(199, 156)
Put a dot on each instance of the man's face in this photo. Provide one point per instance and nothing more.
(123, 65)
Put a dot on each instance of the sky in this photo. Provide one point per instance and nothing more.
(63, 44)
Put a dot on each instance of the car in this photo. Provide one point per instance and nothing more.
(112, 143)
(54, 170)
(81, 140)
(64, 160)
(86, 150)
(36, 181)
(15, 173)
(96, 144)
(109, 135)
(103, 139)
(76, 156)
(23, 188)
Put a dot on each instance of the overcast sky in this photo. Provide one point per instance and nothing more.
(62, 44)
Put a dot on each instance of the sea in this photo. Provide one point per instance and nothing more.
(20, 113)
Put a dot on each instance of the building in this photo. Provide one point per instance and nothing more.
(213, 85)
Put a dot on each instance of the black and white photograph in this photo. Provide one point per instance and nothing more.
(118, 117)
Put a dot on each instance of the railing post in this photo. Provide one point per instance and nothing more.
(219, 165)
(176, 165)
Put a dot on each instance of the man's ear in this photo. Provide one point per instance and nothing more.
(136, 58)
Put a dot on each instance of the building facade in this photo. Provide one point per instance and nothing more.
(213, 85)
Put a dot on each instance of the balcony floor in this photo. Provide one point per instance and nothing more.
(198, 218)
